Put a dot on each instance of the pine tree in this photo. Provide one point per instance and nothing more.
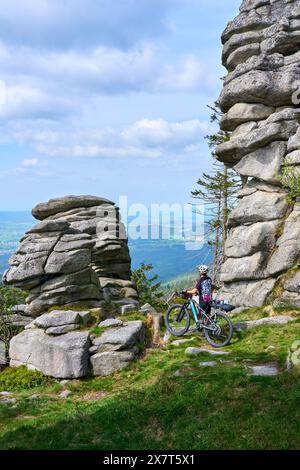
(218, 192)
(148, 288)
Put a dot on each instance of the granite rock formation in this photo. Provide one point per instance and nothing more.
(261, 111)
(61, 345)
(78, 253)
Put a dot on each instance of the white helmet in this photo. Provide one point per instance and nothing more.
(203, 268)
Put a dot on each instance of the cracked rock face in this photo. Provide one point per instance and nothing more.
(261, 53)
(77, 253)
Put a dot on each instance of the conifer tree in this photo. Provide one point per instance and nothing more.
(218, 193)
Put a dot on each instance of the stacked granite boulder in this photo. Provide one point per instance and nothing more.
(260, 103)
(77, 253)
(60, 345)
(117, 346)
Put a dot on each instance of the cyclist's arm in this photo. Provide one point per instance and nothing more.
(193, 291)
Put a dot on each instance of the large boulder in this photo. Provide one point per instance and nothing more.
(60, 205)
(106, 363)
(121, 338)
(63, 259)
(259, 207)
(65, 356)
(260, 104)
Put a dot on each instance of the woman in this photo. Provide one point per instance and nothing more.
(203, 289)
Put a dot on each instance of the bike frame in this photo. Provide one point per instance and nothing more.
(197, 312)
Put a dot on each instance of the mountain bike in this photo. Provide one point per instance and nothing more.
(216, 324)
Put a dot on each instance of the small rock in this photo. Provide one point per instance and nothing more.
(208, 364)
(147, 308)
(178, 373)
(93, 350)
(64, 382)
(35, 396)
(167, 336)
(65, 394)
(128, 308)
(270, 348)
(178, 342)
(264, 370)
(110, 322)
(195, 351)
(8, 401)
(278, 320)
(5, 394)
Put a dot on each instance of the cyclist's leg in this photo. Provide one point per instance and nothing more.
(205, 306)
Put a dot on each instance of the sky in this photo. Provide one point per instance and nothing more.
(107, 97)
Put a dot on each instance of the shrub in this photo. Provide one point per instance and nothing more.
(9, 296)
(18, 379)
(290, 179)
(148, 289)
(7, 332)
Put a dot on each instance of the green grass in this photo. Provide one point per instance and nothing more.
(147, 407)
(21, 379)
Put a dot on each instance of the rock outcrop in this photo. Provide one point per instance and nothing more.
(259, 101)
(77, 253)
(116, 347)
(60, 345)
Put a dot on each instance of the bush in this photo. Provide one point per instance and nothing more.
(290, 179)
(13, 380)
(149, 290)
(9, 296)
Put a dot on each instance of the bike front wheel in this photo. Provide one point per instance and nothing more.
(220, 330)
(177, 320)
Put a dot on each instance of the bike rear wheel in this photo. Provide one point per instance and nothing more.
(221, 335)
(177, 320)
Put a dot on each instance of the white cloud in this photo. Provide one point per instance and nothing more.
(33, 163)
(46, 83)
(147, 138)
(155, 132)
(24, 100)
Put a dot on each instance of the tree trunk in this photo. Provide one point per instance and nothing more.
(217, 244)
(224, 213)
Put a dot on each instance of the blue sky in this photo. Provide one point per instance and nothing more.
(107, 97)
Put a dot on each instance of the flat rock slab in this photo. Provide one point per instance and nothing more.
(61, 330)
(61, 318)
(179, 342)
(65, 356)
(121, 338)
(16, 319)
(195, 351)
(264, 370)
(8, 401)
(110, 323)
(55, 206)
(268, 321)
(208, 364)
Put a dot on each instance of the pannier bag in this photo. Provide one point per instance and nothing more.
(222, 305)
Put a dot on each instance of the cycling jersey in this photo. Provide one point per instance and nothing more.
(204, 288)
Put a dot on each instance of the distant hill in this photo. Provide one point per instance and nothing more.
(168, 257)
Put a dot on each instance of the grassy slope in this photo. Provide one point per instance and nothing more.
(147, 407)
